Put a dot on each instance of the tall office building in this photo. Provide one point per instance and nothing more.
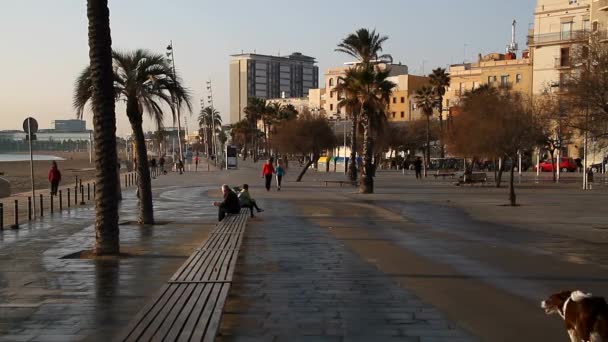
(269, 77)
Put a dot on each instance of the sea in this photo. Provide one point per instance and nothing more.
(26, 157)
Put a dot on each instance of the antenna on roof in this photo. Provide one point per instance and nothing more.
(513, 47)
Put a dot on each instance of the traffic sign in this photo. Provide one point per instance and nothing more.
(32, 124)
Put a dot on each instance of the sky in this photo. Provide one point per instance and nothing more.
(44, 42)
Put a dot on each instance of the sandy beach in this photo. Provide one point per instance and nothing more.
(75, 164)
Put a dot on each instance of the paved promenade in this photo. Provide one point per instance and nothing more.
(416, 261)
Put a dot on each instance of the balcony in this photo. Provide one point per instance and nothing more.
(562, 63)
(602, 5)
(555, 38)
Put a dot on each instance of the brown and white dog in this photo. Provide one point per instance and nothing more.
(585, 316)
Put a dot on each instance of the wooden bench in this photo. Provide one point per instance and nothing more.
(444, 173)
(189, 307)
(338, 182)
(475, 177)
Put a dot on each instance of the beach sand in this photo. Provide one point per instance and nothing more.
(18, 173)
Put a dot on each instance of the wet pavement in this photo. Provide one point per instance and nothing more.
(47, 296)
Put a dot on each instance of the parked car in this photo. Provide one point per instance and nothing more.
(566, 164)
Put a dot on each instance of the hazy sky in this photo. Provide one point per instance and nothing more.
(44, 42)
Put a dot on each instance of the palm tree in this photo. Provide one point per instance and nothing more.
(254, 110)
(440, 80)
(210, 120)
(347, 90)
(145, 82)
(372, 89)
(365, 46)
(426, 99)
(100, 86)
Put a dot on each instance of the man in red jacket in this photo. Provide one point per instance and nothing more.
(267, 173)
(54, 178)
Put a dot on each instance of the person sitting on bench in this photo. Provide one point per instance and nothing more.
(246, 200)
(230, 204)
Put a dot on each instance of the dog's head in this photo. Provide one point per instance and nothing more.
(555, 302)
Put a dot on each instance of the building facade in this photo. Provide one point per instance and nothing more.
(499, 70)
(402, 104)
(332, 77)
(269, 77)
(558, 26)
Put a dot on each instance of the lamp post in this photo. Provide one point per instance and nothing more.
(171, 58)
(210, 99)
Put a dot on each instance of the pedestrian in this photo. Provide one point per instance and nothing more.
(230, 204)
(54, 178)
(418, 167)
(267, 173)
(161, 164)
(180, 166)
(153, 167)
(196, 160)
(246, 201)
(280, 172)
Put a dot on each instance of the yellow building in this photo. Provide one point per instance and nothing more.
(332, 98)
(495, 69)
(402, 105)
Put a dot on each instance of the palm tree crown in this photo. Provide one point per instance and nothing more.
(364, 45)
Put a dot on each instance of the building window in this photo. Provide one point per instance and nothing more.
(394, 100)
(331, 106)
(402, 99)
(595, 26)
(586, 25)
(331, 94)
(567, 31)
(331, 82)
(491, 79)
(504, 81)
(402, 115)
(518, 78)
(475, 85)
(394, 115)
(564, 58)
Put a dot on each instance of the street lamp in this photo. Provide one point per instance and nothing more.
(171, 59)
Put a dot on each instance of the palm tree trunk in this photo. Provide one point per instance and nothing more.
(104, 129)
(428, 144)
(366, 185)
(440, 109)
(144, 185)
(352, 166)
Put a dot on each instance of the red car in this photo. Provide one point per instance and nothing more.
(566, 164)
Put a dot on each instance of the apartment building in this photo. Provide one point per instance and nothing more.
(268, 77)
(332, 76)
(495, 69)
(558, 26)
(402, 104)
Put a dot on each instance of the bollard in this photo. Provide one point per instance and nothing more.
(41, 206)
(52, 204)
(94, 192)
(75, 194)
(69, 198)
(80, 183)
(1, 216)
(16, 225)
(60, 201)
(82, 195)
(29, 208)
(88, 191)
(126, 183)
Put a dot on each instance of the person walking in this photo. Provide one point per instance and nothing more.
(267, 173)
(161, 164)
(230, 204)
(54, 178)
(196, 160)
(418, 168)
(280, 172)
